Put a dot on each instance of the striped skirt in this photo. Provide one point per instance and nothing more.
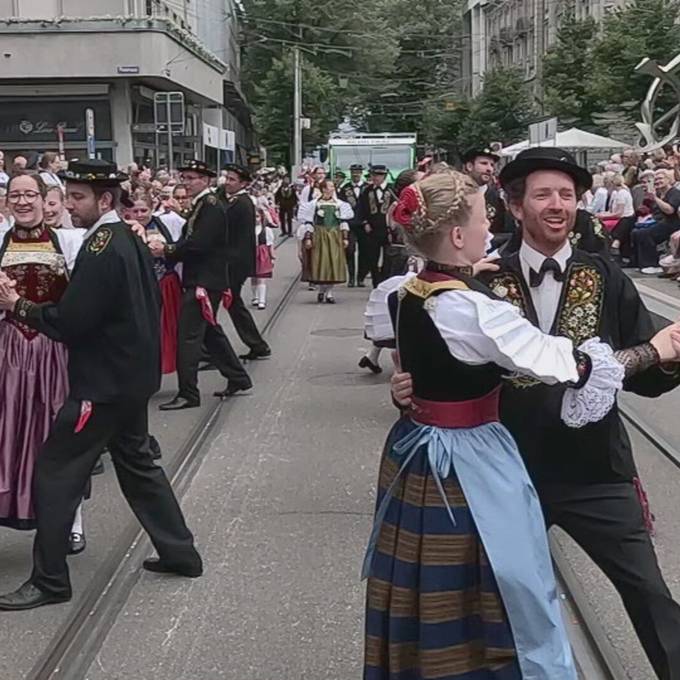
(434, 609)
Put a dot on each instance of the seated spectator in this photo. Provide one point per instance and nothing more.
(631, 167)
(600, 202)
(621, 209)
(665, 213)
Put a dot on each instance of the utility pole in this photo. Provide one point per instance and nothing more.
(539, 6)
(297, 113)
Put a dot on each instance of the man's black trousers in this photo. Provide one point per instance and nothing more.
(606, 521)
(194, 333)
(63, 469)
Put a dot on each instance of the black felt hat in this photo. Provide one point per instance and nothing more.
(93, 171)
(200, 167)
(477, 151)
(378, 169)
(242, 172)
(356, 166)
(545, 158)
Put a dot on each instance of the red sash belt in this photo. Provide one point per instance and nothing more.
(452, 414)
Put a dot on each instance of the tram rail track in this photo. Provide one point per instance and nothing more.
(75, 645)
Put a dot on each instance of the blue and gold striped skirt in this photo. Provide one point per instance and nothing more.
(434, 608)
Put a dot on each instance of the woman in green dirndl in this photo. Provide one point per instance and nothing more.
(326, 238)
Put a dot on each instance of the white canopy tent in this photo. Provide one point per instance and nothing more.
(571, 140)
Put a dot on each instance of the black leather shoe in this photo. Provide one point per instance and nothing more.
(233, 388)
(361, 284)
(330, 300)
(365, 362)
(28, 597)
(320, 297)
(179, 403)
(351, 284)
(207, 367)
(155, 448)
(76, 543)
(253, 355)
(160, 567)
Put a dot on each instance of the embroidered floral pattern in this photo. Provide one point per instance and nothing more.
(580, 314)
(508, 288)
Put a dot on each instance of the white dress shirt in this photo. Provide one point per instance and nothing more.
(545, 297)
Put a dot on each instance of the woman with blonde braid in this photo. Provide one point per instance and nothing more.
(460, 579)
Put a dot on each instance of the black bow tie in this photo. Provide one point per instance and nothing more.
(549, 265)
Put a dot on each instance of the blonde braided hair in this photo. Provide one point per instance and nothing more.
(442, 202)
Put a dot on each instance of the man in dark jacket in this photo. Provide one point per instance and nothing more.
(241, 254)
(109, 319)
(286, 200)
(202, 250)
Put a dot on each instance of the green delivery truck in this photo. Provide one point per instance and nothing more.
(395, 150)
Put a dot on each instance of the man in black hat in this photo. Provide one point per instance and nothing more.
(350, 193)
(109, 319)
(286, 200)
(480, 164)
(372, 207)
(586, 477)
(203, 252)
(242, 249)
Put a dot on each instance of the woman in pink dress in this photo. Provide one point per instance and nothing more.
(33, 380)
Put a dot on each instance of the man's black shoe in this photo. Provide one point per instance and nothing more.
(365, 362)
(76, 544)
(28, 597)
(179, 403)
(160, 567)
(233, 388)
(207, 367)
(361, 284)
(351, 283)
(253, 355)
(155, 448)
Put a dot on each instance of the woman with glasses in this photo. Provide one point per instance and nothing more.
(33, 380)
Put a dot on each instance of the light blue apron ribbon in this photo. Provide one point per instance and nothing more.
(440, 464)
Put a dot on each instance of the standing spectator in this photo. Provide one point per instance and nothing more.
(50, 165)
(19, 164)
(645, 241)
(286, 200)
(4, 177)
(181, 195)
(631, 162)
(600, 202)
(168, 211)
(4, 211)
(241, 250)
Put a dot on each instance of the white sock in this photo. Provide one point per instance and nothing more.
(329, 291)
(77, 527)
(374, 354)
(253, 288)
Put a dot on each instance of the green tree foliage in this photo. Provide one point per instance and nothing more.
(501, 112)
(567, 72)
(642, 28)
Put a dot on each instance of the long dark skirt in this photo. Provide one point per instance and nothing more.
(433, 606)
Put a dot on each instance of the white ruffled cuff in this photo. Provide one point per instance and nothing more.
(303, 230)
(592, 402)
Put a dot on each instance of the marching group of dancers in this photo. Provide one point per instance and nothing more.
(508, 369)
